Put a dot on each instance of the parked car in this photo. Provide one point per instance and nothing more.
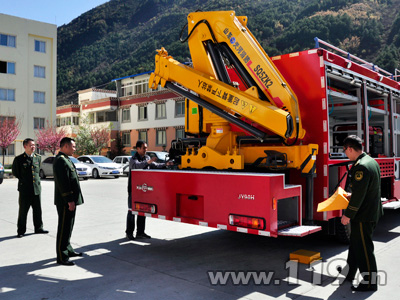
(161, 156)
(1, 173)
(84, 171)
(123, 161)
(101, 166)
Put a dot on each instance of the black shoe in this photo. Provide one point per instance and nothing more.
(20, 235)
(66, 263)
(364, 287)
(143, 236)
(41, 231)
(74, 254)
(130, 237)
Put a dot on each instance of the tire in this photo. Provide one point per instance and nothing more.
(41, 174)
(116, 176)
(95, 174)
(342, 232)
(85, 178)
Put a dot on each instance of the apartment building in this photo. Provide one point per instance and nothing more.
(154, 116)
(132, 112)
(28, 66)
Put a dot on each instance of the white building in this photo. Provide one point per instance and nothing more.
(154, 116)
(28, 70)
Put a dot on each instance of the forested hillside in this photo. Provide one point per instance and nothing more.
(119, 38)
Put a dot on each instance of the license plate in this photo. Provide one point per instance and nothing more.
(115, 172)
(82, 173)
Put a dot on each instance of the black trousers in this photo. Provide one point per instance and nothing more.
(25, 202)
(361, 251)
(130, 221)
(66, 220)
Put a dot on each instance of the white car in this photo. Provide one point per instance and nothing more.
(123, 161)
(46, 169)
(101, 166)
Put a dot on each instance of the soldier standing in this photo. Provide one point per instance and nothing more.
(26, 168)
(363, 212)
(67, 195)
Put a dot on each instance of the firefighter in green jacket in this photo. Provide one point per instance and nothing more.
(26, 168)
(67, 195)
(363, 212)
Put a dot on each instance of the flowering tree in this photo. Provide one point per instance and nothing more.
(9, 130)
(100, 138)
(48, 138)
(90, 139)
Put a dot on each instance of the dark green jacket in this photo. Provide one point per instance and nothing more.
(66, 181)
(365, 183)
(26, 169)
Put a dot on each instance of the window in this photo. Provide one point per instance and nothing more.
(161, 111)
(38, 123)
(39, 72)
(179, 108)
(38, 97)
(161, 138)
(126, 115)
(180, 133)
(142, 113)
(10, 151)
(143, 136)
(58, 122)
(126, 138)
(7, 67)
(106, 116)
(141, 86)
(7, 94)
(40, 46)
(75, 120)
(7, 40)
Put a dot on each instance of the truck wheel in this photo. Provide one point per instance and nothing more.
(342, 232)
(95, 174)
(41, 174)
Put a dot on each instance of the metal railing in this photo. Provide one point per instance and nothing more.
(352, 57)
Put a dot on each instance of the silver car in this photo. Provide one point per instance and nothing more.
(46, 168)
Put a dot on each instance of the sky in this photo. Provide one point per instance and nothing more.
(57, 12)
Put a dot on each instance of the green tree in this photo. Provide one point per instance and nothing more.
(84, 141)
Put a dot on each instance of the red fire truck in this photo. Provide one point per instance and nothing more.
(267, 134)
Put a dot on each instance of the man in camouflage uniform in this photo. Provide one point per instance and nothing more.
(26, 168)
(67, 195)
(363, 212)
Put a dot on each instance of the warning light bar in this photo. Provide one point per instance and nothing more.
(247, 222)
(145, 207)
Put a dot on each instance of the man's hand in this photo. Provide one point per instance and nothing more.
(345, 220)
(151, 160)
(71, 206)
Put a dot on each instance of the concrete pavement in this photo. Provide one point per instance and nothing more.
(179, 262)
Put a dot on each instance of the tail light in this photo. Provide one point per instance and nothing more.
(247, 222)
(145, 207)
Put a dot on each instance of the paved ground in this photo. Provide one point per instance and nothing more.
(174, 264)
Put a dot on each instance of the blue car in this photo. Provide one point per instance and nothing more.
(1, 173)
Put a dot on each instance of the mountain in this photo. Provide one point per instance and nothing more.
(119, 38)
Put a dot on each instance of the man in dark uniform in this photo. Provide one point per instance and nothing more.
(26, 168)
(139, 161)
(363, 212)
(67, 195)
